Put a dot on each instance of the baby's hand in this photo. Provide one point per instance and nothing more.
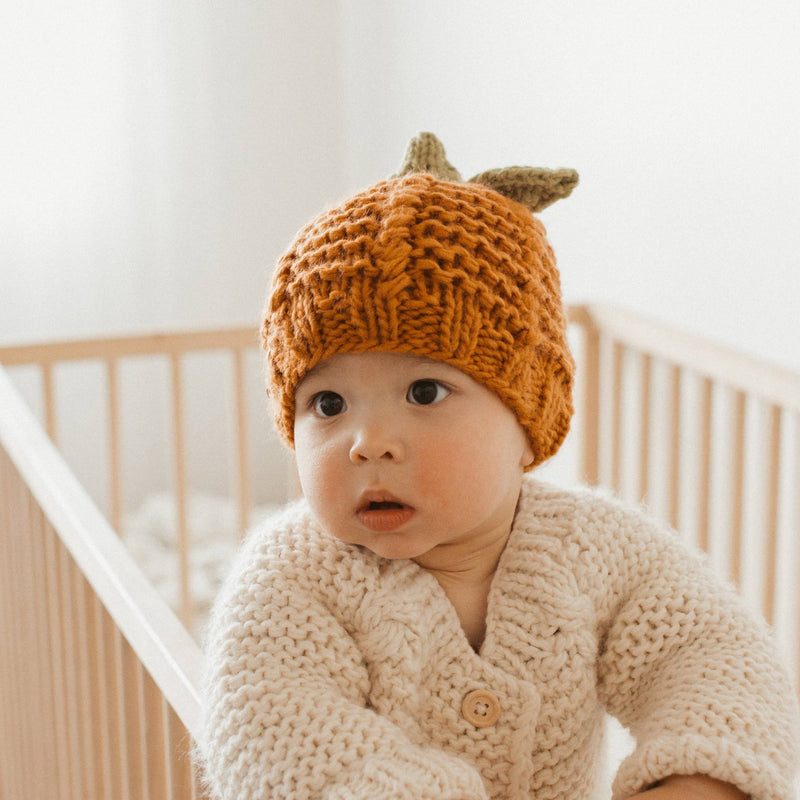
(691, 787)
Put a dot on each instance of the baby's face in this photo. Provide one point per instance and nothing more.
(407, 456)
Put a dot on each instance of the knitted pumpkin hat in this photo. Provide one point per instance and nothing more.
(427, 264)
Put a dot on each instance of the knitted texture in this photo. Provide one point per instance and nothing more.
(335, 674)
(453, 271)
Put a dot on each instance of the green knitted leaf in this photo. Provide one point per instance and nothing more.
(425, 153)
(534, 187)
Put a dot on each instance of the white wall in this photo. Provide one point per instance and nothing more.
(683, 120)
(157, 156)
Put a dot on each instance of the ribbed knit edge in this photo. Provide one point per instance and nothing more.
(437, 777)
(666, 755)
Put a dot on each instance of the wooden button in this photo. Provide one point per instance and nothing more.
(481, 708)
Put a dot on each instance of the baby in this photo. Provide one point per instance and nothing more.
(431, 622)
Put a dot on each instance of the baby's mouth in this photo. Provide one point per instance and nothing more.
(378, 505)
(382, 513)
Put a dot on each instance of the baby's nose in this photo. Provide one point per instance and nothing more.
(376, 443)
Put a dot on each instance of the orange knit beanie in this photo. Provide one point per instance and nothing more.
(424, 263)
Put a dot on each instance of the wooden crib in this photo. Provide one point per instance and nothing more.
(99, 676)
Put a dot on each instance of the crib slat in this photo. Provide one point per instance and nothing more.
(26, 643)
(47, 741)
(113, 708)
(155, 740)
(59, 691)
(10, 778)
(70, 659)
(26, 739)
(99, 738)
(618, 363)
(15, 744)
(674, 489)
(704, 482)
(243, 473)
(645, 424)
(181, 492)
(738, 435)
(794, 525)
(133, 722)
(77, 625)
(115, 477)
(6, 619)
(772, 501)
(6, 599)
(180, 772)
(590, 456)
(49, 402)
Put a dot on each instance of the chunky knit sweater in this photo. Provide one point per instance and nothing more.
(333, 673)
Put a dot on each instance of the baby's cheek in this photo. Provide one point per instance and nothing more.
(451, 474)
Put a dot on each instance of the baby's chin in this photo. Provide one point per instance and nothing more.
(390, 546)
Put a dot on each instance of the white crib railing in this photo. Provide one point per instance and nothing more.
(112, 355)
(98, 679)
(708, 438)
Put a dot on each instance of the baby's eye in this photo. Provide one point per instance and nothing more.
(426, 392)
(328, 404)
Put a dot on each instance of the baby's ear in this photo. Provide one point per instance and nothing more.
(533, 187)
(527, 456)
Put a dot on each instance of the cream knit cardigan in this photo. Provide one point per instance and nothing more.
(335, 674)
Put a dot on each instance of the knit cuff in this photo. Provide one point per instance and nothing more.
(756, 774)
(437, 776)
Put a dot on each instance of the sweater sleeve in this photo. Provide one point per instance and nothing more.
(286, 710)
(688, 668)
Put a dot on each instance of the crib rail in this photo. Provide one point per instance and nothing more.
(98, 679)
(707, 437)
(111, 354)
